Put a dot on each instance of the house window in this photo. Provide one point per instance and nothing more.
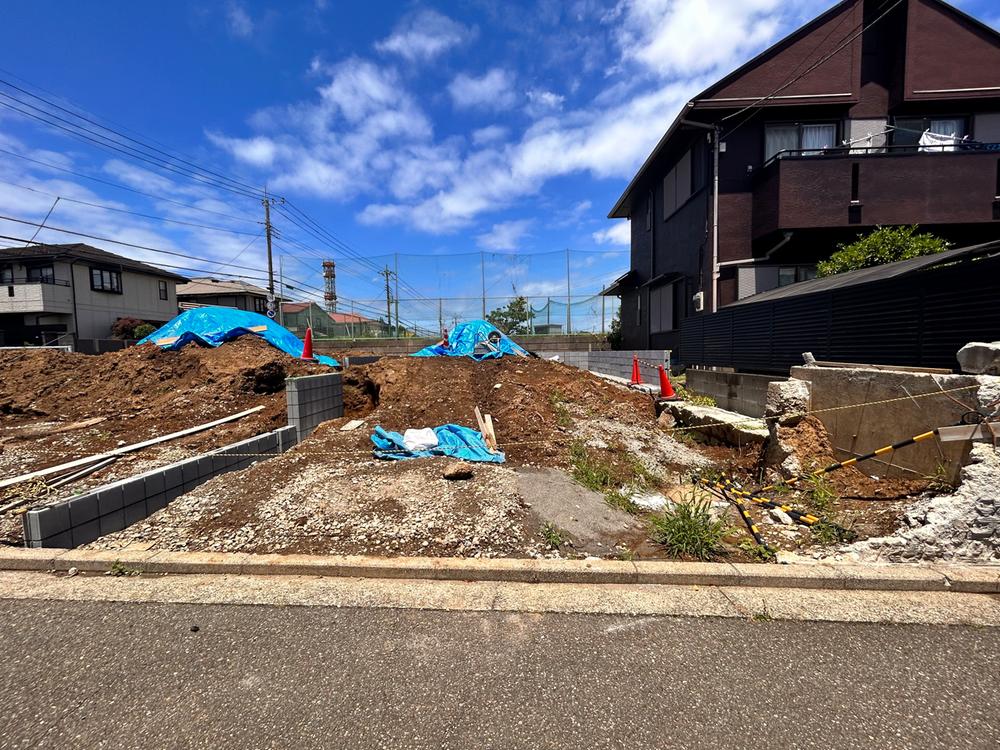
(805, 139)
(678, 185)
(103, 280)
(791, 274)
(661, 309)
(6, 274)
(42, 274)
(163, 290)
(259, 304)
(649, 211)
(908, 130)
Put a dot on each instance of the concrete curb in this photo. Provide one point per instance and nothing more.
(845, 576)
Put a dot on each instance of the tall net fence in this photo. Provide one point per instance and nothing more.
(551, 292)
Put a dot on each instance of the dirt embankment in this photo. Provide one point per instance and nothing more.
(141, 392)
(524, 396)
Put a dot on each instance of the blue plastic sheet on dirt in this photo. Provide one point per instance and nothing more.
(465, 337)
(453, 440)
(214, 326)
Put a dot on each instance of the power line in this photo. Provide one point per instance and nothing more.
(130, 189)
(126, 211)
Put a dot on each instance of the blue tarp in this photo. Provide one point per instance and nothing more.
(453, 440)
(465, 337)
(213, 326)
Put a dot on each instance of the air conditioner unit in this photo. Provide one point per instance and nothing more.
(699, 301)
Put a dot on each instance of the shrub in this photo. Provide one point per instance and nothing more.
(689, 529)
(882, 245)
(142, 330)
(123, 328)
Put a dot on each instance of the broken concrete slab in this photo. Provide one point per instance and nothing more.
(725, 426)
(980, 357)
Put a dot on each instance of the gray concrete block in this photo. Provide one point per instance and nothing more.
(135, 512)
(83, 508)
(156, 502)
(172, 493)
(134, 491)
(110, 498)
(205, 467)
(86, 533)
(48, 521)
(155, 483)
(61, 541)
(112, 522)
(173, 477)
(190, 471)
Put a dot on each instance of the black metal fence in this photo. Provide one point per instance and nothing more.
(920, 319)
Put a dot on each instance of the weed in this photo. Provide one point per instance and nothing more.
(626, 554)
(691, 397)
(589, 472)
(688, 528)
(621, 501)
(118, 568)
(764, 615)
(598, 474)
(757, 551)
(939, 481)
(819, 493)
(553, 536)
(558, 401)
(828, 532)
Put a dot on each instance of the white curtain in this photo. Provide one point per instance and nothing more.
(779, 138)
(815, 138)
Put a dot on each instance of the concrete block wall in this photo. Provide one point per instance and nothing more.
(735, 391)
(618, 364)
(313, 399)
(104, 510)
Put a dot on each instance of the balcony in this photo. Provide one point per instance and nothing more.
(840, 189)
(23, 296)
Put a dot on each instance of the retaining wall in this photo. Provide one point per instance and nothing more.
(82, 519)
(618, 364)
(313, 399)
(734, 391)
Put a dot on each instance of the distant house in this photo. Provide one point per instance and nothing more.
(202, 291)
(64, 293)
(871, 114)
(297, 316)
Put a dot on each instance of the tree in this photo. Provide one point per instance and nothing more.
(123, 328)
(615, 331)
(882, 245)
(142, 330)
(514, 318)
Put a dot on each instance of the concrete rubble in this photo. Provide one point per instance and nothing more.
(719, 424)
(787, 401)
(963, 526)
(980, 357)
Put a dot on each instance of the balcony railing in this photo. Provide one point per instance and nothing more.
(23, 280)
(857, 150)
(866, 187)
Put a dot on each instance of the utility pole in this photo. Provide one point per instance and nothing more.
(281, 286)
(388, 296)
(396, 272)
(440, 314)
(482, 271)
(268, 202)
(569, 299)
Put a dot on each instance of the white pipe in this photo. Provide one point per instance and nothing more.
(715, 221)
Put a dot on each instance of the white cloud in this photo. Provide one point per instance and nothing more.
(688, 37)
(543, 288)
(493, 90)
(489, 134)
(541, 102)
(505, 235)
(425, 35)
(238, 21)
(619, 233)
(259, 152)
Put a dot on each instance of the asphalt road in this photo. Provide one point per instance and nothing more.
(101, 674)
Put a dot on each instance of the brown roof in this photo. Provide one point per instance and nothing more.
(79, 251)
(207, 285)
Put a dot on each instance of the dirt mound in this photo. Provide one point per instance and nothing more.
(145, 391)
(525, 397)
(810, 443)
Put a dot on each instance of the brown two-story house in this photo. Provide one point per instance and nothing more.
(878, 112)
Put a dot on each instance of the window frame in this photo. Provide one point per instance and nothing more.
(110, 287)
(6, 274)
(838, 134)
(656, 308)
(163, 290)
(259, 305)
(965, 117)
(33, 275)
(697, 180)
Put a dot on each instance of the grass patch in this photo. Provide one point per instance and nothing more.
(818, 493)
(558, 401)
(691, 397)
(757, 551)
(826, 531)
(688, 529)
(600, 473)
(553, 536)
(118, 568)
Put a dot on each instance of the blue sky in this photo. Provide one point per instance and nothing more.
(426, 129)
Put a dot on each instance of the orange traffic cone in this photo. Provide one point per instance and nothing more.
(636, 375)
(307, 346)
(666, 390)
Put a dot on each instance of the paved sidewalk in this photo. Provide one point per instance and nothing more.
(94, 674)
